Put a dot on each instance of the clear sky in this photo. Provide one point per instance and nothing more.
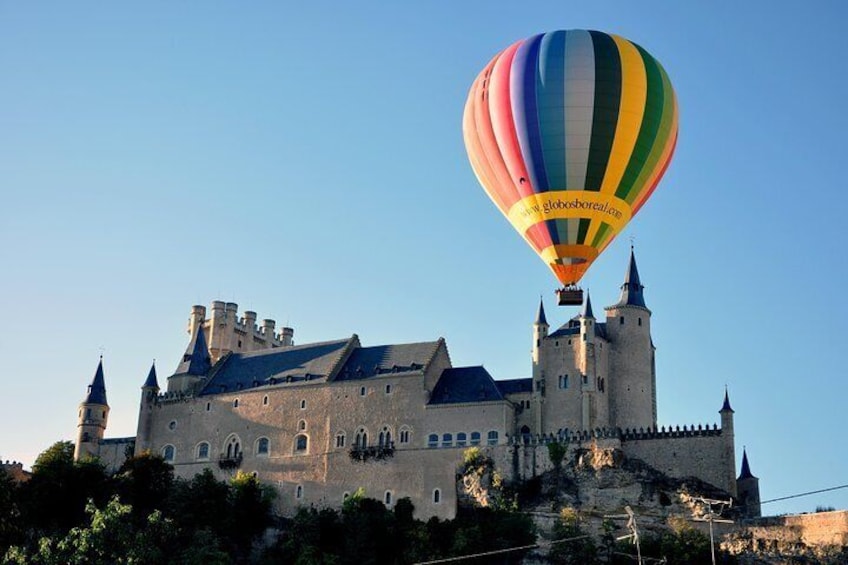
(305, 160)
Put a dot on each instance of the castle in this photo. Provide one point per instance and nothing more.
(321, 420)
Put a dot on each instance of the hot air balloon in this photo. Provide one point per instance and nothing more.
(569, 133)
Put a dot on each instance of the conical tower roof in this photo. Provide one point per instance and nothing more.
(631, 290)
(151, 381)
(97, 389)
(541, 320)
(196, 360)
(746, 469)
(587, 307)
(726, 406)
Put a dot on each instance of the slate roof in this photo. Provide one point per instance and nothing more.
(97, 389)
(726, 405)
(587, 307)
(515, 386)
(366, 362)
(572, 328)
(300, 363)
(631, 290)
(196, 360)
(460, 385)
(151, 381)
(746, 469)
(541, 320)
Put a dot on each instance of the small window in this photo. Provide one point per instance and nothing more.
(345, 496)
(233, 447)
(388, 389)
(262, 446)
(433, 440)
(301, 426)
(168, 453)
(387, 498)
(203, 451)
(527, 404)
(265, 400)
(640, 321)
(301, 443)
(303, 404)
(340, 439)
(172, 425)
(103, 414)
(88, 413)
(493, 437)
(208, 406)
(461, 438)
(621, 320)
(361, 439)
(298, 492)
(437, 496)
(385, 437)
(475, 438)
(447, 440)
(404, 435)
(362, 391)
(235, 403)
(563, 381)
(585, 379)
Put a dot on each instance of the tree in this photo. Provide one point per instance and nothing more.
(580, 549)
(144, 482)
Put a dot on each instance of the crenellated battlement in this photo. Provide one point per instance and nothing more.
(227, 332)
(627, 434)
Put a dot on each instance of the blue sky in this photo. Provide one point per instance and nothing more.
(305, 160)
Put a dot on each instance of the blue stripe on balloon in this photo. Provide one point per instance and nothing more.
(550, 101)
(523, 98)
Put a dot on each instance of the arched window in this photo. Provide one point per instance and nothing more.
(361, 439)
(265, 400)
(437, 496)
(475, 438)
(493, 437)
(202, 451)
(385, 437)
(168, 453)
(340, 439)
(301, 426)
(447, 440)
(563, 381)
(301, 443)
(263, 446)
(387, 498)
(298, 492)
(388, 389)
(303, 404)
(235, 403)
(404, 435)
(461, 438)
(233, 447)
(433, 440)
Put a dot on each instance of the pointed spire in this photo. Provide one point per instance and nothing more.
(541, 320)
(196, 360)
(726, 406)
(746, 469)
(631, 290)
(97, 389)
(151, 381)
(587, 308)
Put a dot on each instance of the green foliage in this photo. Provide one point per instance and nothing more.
(556, 452)
(574, 548)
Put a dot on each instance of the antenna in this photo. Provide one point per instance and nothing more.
(634, 530)
(712, 517)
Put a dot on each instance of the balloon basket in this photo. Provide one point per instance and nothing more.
(570, 296)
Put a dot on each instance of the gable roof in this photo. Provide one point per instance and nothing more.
(300, 363)
(460, 385)
(515, 386)
(365, 362)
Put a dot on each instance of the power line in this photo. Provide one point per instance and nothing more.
(804, 494)
(496, 552)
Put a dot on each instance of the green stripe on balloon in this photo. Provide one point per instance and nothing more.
(607, 102)
(651, 119)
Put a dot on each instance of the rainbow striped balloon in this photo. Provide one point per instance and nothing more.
(569, 133)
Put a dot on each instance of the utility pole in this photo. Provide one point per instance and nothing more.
(712, 517)
(634, 531)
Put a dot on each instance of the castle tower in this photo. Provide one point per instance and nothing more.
(588, 365)
(149, 392)
(632, 391)
(93, 415)
(727, 435)
(748, 489)
(540, 332)
(194, 367)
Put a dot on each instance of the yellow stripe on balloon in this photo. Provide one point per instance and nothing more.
(634, 91)
(664, 157)
(560, 204)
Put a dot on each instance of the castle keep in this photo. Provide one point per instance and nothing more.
(321, 420)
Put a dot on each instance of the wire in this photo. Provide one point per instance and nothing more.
(804, 494)
(496, 552)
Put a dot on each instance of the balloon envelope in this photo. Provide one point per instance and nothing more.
(569, 133)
